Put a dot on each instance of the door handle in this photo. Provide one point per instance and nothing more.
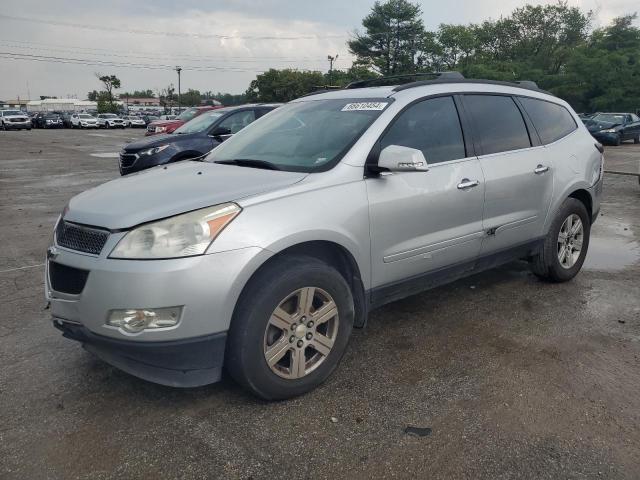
(540, 169)
(466, 183)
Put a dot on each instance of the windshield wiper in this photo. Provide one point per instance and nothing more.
(247, 162)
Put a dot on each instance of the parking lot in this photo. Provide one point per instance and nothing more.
(515, 378)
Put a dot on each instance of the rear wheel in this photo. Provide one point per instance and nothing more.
(565, 246)
(290, 329)
(636, 140)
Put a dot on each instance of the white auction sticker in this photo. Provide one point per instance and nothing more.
(350, 107)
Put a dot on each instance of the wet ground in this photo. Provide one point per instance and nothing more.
(515, 378)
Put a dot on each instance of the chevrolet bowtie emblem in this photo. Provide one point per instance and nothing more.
(52, 252)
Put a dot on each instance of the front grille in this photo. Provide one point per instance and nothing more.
(66, 279)
(81, 238)
(127, 159)
(18, 120)
(151, 129)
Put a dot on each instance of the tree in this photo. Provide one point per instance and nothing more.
(110, 82)
(391, 44)
(283, 85)
(191, 98)
(167, 97)
(93, 96)
(139, 94)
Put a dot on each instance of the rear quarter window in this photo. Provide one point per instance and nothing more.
(552, 121)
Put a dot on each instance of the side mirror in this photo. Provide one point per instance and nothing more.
(221, 131)
(396, 158)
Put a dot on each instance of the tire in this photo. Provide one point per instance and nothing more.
(106, 125)
(636, 140)
(252, 332)
(547, 264)
(617, 141)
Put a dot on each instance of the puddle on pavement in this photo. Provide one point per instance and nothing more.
(611, 253)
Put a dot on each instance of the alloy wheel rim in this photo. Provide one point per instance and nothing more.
(301, 333)
(570, 240)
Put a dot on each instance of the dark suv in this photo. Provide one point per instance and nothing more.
(193, 139)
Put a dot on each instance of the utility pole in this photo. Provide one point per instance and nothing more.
(331, 60)
(178, 69)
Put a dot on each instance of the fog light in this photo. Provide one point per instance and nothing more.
(136, 320)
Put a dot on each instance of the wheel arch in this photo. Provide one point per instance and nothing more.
(334, 254)
(584, 196)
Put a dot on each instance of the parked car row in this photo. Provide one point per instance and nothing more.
(18, 120)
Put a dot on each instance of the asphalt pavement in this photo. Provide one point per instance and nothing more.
(502, 376)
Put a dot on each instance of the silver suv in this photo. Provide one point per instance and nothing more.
(264, 257)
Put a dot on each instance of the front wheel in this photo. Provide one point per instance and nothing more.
(290, 329)
(636, 140)
(565, 246)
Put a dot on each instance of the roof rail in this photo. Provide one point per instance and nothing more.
(322, 89)
(526, 84)
(392, 80)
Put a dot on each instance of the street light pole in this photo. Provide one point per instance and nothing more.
(178, 69)
(331, 60)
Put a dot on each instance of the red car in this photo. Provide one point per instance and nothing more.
(168, 126)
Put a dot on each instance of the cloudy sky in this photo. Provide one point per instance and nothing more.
(221, 45)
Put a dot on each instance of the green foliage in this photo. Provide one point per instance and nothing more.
(190, 98)
(105, 103)
(139, 94)
(110, 82)
(552, 45)
(226, 99)
(393, 35)
(282, 85)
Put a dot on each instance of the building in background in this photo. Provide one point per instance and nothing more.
(61, 105)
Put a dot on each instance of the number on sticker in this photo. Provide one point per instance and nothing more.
(350, 107)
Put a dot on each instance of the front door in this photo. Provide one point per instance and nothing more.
(518, 176)
(422, 222)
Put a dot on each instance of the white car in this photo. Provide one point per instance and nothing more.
(110, 120)
(83, 120)
(133, 121)
(14, 119)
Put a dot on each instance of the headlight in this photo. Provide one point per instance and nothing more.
(161, 129)
(608, 130)
(152, 151)
(184, 235)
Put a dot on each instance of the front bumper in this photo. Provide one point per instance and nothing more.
(17, 125)
(206, 287)
(179, 363)
(605, 138)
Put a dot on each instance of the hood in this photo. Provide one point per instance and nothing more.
(597, 126)
(166, 123)
(162, 192)
(22, 117)
(154, 141)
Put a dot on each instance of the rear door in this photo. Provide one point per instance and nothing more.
(518, 175)
(422, 222)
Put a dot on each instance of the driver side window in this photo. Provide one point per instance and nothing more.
(432, 126)
(238, 121)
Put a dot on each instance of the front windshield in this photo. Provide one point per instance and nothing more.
(84, 115)
(302, 136)
(609, 118)
(108, 115)
(200, 123)
(12, 112)
(188, 114)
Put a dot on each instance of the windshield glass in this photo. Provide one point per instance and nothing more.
(108, 115)
(188, 114)
(200, 123)
(12, 112)
(302, 136)
(84, 115)
(608, 118)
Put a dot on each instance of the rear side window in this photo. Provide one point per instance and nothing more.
(552, 121)
(497, 123)
(432, 126)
